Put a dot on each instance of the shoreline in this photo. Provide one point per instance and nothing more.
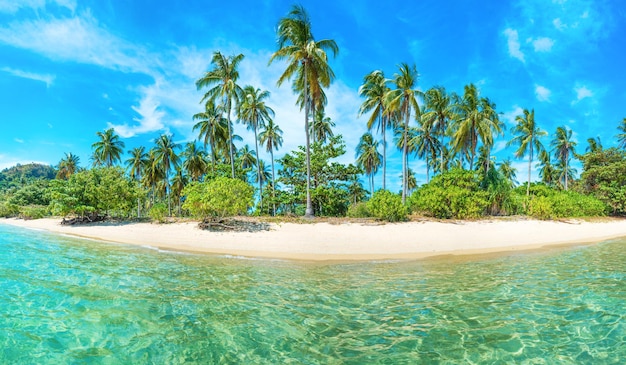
(319, 242)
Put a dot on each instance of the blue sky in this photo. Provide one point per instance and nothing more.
(70, 68)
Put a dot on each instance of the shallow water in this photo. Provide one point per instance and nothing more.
(66, 300)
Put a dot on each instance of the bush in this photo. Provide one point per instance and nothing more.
(8, 210)
(158, 212)
(387, 206)
(34, 212)
(541, 208)
(358, 210)
(564, 204)
(219, 197)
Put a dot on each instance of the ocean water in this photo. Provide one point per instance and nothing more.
(70, 301)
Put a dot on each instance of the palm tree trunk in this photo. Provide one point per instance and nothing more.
(530, 159)
(566, 167)
(427, 168)
(258, 164)
(384, 126)
(443, 131)
(309, 207)
(404, 155)
(273, 181)
(230, 141)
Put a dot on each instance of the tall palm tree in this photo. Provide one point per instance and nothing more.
(506, 169)
(477, 120)
(621, 137)
(308, 61)
(222, 81)
(322, 127)
(195, 163)
(212, 128)
(547, 171)
(271, 137)
(404, 99)
(368, 158)
(165, 155)
(374, 90)
(439, 112)
(246, 157)
(179, 181)
(68, 166)
(108, 149)
(153, 173)
(255, 113)
(136, 164)
(527, 137)
(424, 143)
(564, 147)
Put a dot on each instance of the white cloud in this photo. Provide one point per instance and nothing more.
(45, 78)
(514, 44)
(542, 93)
(149, 119)
(558, 24)
(18, 140)
(582, 92)
(510, 115)
(543, 44)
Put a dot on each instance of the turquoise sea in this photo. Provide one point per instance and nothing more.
(70, 301)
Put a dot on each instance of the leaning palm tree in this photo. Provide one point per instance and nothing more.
(68, 166)
(271, 137)
(374, 90)
(212, 128)
(564, 147)
(108, 149)
(527, 137)
(368, 158)
(621, 137)
(404, 99)
(255, 113)
(195, 163)
(165, 155)
(439, 112)
(308, 61)
(136, 165)
(222, 81)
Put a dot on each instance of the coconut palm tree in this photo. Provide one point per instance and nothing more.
(621, 137)
(424, 143)
(564, 146)
(594, 145)
(439, 112)
(404, 99)
(374, 90)
(547, 171)
(136, 165)
(411, 181)
(246, 157)
(254, 113)
(271, 137)
(195, 163)
(506, 169)
(108, 149)
(153, 173)
(368, 158)
(222, 83)
(322, 127)
(308, 61)
(68, 166)
(179, 181)
(527, 138)
(212, 128)
(165, 155)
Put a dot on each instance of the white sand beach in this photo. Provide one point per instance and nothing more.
(348, 241)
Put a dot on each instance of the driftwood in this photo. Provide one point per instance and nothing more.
(232, 225)
(83, 220)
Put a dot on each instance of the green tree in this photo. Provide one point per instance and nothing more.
(194, 163)
(137, 164)
(368, 158)
(425, 144)
(220, 197)
(506, 169)
(322, 127)
(604, 176)
(594, 145)
(246, 158)
(165, 156)
(564, 147)
(527, 137)
(212, 128)
(439, 113)
(547, 171)
(271, 137)
(108, 150)
(621, 137)
(308, 61)
(222, 83)
(404, 99)
(68, 166)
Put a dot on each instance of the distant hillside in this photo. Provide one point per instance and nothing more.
(20, 174)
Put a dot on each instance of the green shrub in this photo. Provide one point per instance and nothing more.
(8, 210)
(387, 206)
(358, 210)
(540, 207)
(220, 197)
(34, 212)
(565, 204)
(158, 212)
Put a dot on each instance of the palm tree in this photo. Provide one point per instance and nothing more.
(411, 181)
(254, 113)
(246, 157)
(439, 112)
(212, 128)
(68, 166)
(374, 90)
(477, 120)
(165, 156)
(222, 80)
(153, 173)
(564, 147)
(547, 171)
(308, 61)
(179, 181)
(527, 137)
(595, 145)
(368, 158)
(195, 163)
(506, 169)
(263, 171)
(322, 127)
(136, 165)
(271, 137)
(108, 149)
(404, 100)
(621, 137)
(425, 143)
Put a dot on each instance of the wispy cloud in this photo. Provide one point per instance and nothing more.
(45, 78)
(18, 140)
(150, 116)
(582, 92)
(510, 115)
(543, 44)
(513, 44)
(12, 6)
(542, 93)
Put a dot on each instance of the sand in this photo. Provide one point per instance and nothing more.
(348, 241)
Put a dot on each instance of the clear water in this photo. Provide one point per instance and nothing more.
(71, 301)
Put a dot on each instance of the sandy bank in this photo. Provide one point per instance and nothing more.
(349, 241)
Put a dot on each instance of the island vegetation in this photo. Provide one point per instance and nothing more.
(220, 175)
